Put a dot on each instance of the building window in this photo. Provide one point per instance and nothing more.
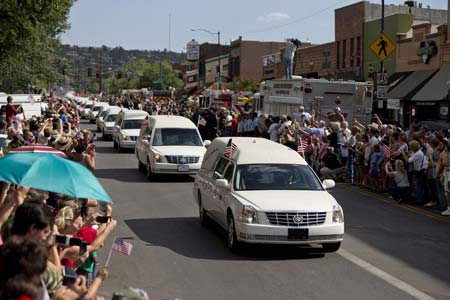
(338, 55)
(344, 52)
(352, 51)
(358, 51)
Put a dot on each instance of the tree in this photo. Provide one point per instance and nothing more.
(243, 85)
(29, 31)
(145, 75)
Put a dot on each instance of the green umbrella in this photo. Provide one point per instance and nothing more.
(49, 172)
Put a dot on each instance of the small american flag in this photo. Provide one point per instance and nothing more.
(122, 246)
(301, 147)
(201, 121)
(229, 149)
(386, 151)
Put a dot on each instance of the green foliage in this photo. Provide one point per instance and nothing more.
(144, 76)
(243, 85)
(29, 31)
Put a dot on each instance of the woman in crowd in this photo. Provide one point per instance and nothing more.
(402, 188)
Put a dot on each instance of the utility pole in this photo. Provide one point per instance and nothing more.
(382, 31)
(218, 42)
(100, 76)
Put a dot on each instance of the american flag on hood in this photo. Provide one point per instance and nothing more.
(229, 149)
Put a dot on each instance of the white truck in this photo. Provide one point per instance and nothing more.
(31, 104)
(283, 97)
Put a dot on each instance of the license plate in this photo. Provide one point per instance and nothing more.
(298, 234)
(183, 168)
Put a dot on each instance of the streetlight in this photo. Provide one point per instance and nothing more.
(219, 78)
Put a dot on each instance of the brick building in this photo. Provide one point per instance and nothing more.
(208, 51)
(245, 58)
(350, 34)
(317, 61)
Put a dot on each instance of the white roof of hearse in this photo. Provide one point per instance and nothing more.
(167, 121)
(251, 150)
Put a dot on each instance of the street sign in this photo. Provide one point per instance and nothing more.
(382, 47)
(393, 104)
(382, 91)
(193, 50)
(221, 79)
(382, 78)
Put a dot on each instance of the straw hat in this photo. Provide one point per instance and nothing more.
(63, 143)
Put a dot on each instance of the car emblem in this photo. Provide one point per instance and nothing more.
(297, 219)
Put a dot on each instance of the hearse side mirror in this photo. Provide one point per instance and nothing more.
(222, 183)
(328, 184)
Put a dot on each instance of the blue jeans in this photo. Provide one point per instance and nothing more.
(288, 67)
(421, 187)
(399, 193)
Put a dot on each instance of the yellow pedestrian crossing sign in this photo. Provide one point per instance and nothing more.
(382, 47)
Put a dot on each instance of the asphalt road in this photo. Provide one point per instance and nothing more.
(389, 251)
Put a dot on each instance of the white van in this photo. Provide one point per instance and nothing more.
(169, 145)
(107, 124)
(265, 192)
(93, 113)
(127, 127)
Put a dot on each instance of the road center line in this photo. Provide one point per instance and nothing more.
(401, 285)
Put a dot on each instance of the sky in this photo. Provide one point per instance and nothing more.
(153, 25)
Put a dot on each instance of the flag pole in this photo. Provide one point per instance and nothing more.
(110, 252)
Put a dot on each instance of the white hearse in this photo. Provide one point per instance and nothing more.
(169, 145)
(266, 193)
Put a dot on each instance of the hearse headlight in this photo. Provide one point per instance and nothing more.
(249, 214)
(338, 214)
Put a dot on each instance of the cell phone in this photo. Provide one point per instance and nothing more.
(83, 248)
(69, 276)
(64, 240)
(103, 219)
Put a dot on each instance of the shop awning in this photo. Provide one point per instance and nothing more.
(410, 85)
(436, 88)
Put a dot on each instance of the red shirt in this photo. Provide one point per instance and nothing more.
(234, 125)
(10, 112)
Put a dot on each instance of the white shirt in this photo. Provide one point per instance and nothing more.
(419, 161)
(240, 127)
(273, 132)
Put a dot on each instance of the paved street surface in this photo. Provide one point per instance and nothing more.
(389, 251)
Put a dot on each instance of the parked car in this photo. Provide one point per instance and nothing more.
(93, 113)
(169, 145)
(107, 124)
(126, 129)
(264, 192)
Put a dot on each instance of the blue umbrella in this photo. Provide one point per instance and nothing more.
(49, 172)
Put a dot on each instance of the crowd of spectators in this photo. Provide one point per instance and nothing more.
(49, 241)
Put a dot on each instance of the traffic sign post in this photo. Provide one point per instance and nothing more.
(382, 47)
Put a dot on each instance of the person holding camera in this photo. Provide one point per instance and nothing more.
(85, 154)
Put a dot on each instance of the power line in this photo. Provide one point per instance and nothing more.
(291, 22)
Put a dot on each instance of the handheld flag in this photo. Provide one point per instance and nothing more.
(201, 121)
(301, 147)
(229, 149)
(122, 246)
(386, 151)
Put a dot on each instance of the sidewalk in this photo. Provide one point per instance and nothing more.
(427, 211)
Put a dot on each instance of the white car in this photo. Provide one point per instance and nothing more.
(93, 113)
(101, 115)
(107, 124)
(265, 192)
(126, 129)
(85, 108)
(169, 145)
